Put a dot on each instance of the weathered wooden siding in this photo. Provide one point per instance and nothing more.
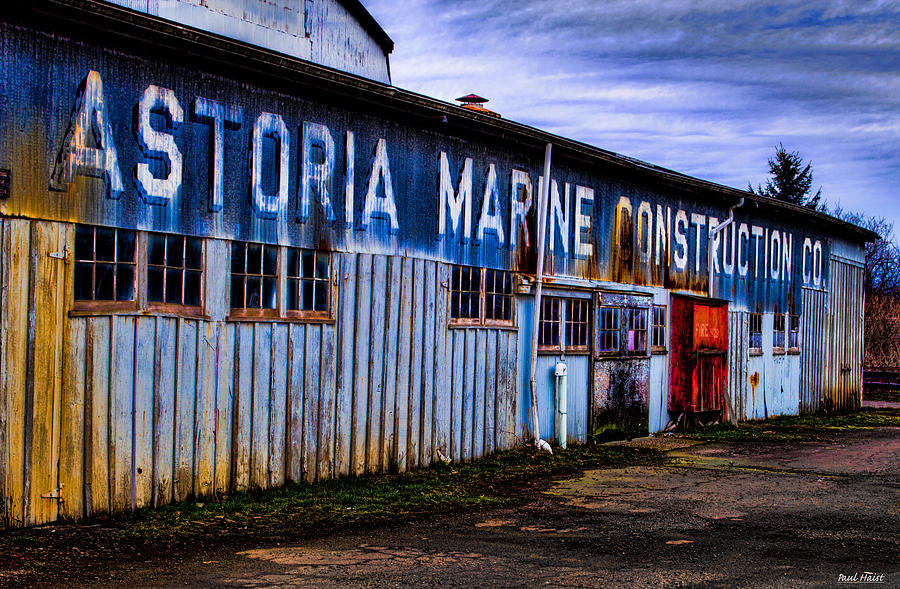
(118, 412)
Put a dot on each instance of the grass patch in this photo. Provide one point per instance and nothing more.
(799, 428)
(302, 510)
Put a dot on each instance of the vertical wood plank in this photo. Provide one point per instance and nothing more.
(297, 378)
(479, 407)
(72, 422)
(404, 356)
(144, 373)
(97, 384)
(4, 398)
(278, 405)
(346, 346)
(311, 401)
(361, 362)
(259, 443)
(512, 365)
(468, 409)
(46, 317)
(392, 338)
(205, 409)
(166, 363)
(415, 377)
(185, 403)
(491, 391)
(441, 367)
(376, 364)
(458, 370)
(325, 468)
(503, 406)
(426, 448)
(243, 405)
(121, 401)
(224, 406)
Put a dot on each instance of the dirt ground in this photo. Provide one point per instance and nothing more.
(775, 515)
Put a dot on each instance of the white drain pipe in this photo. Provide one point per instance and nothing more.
(543, 200)
(562, 378)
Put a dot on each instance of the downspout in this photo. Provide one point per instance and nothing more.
(713, 232)
(543, 199)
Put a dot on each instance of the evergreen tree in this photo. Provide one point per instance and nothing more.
(789, 180)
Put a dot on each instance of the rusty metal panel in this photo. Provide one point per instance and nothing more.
(813, 349)
(843, 369)
(738, 361)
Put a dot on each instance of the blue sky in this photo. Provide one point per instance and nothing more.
(708, 88)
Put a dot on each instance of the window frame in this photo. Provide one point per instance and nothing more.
(754, 350)
(661, 328)
(281, 313)
(776, 332)
(284, 278)
(107, 306)
(481, 320)
(564, 324)
(617, 330)
(180, 309)
(630, 312)
(141, 305)
(791, 340)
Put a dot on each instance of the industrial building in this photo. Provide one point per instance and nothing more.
(233, 255)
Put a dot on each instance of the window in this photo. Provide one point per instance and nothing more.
(609, 329)
(637, 331)
(548, 334)
(256, 280)
(105, 264)
(498, 296)
(658, 329)
(577, 324)
(254, 276)
(307, 280)
(481, 296)
(755, 333)
(794, 334)
(174, 269)
(565, 325)
(778, 336)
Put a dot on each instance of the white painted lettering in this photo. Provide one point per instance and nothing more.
(699, 221)
(460, 205)
(491, 219)
(757, 233)
(559, 215)
(681, 249)
(645, 231)
(158, 191)
(380, 207)
(743, 261)
(316, 176)
(219, 117)
(268, 206)
(89, 124)
(584, 247)
(520, 201)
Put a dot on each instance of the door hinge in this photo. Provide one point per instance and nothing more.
(54, 494)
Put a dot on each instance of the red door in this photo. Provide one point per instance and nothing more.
(699, 350)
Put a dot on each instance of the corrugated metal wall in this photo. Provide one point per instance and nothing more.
(843, 366)
(737, 382)
(813, 339)
(145, 410)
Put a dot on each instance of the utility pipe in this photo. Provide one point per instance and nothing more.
(543, 200)
(713, 232)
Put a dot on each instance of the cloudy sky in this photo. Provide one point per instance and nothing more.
(704, 87)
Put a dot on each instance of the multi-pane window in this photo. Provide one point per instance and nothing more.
(275, 282)
(637, 330)
(174, 269)
(498, 295)
(609, 329)
(658, 329)
(564, 325)
(105, 264)
(254, 276)
(307, 280)
(778, 332)
(756, 333)
(548, 332)
(465, 294)
(481, 296)
(577, 324)
(794, 334)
